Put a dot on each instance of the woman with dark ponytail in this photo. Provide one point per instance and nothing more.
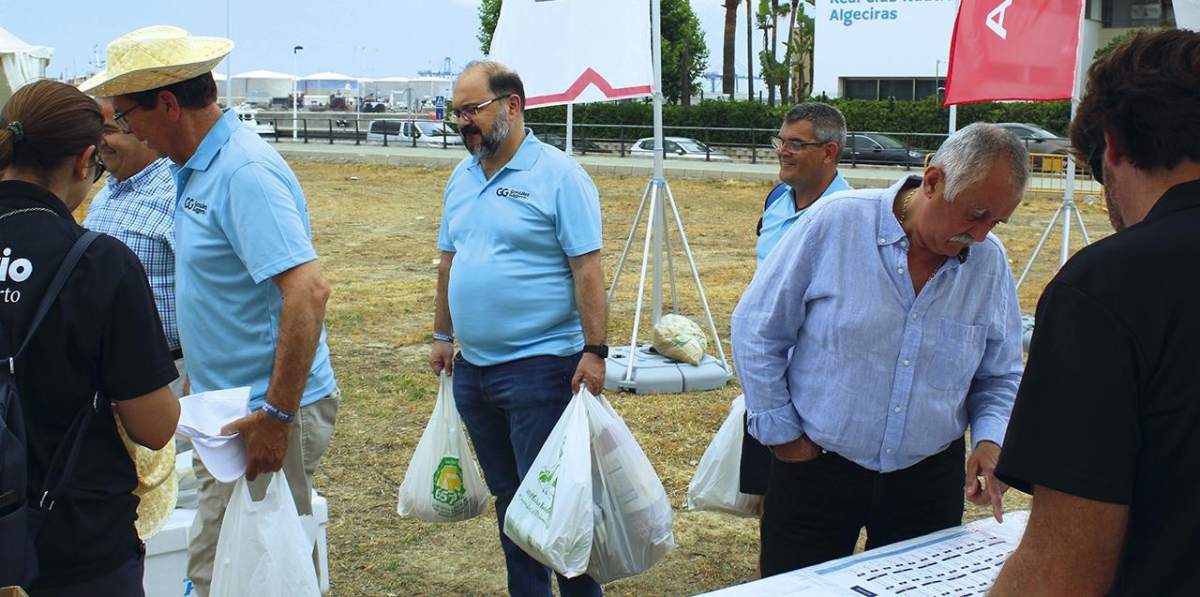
(100, 338)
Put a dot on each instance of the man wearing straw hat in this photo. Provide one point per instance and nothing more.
(241, 221)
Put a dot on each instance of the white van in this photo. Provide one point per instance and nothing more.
(427, 133)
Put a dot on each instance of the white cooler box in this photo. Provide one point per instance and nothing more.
(167, 559)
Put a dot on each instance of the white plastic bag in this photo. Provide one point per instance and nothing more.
(680, 339)
(633, 517)
(443, 483)
(263, 549)
(717, 483)
(551, 515)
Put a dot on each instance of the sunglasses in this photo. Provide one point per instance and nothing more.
(1095, 163)
(98, 168)
(471, 112)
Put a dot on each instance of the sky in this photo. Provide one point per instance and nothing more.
(361, 38)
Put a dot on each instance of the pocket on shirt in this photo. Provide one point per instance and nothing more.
(956, 356)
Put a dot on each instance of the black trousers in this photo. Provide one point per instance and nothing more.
(756, 463)
(814, 510)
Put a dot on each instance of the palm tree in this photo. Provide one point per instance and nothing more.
(728, 76)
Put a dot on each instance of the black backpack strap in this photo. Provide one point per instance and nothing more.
(780, 190)
(62, 466)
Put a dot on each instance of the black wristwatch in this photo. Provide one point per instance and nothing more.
(600, 350)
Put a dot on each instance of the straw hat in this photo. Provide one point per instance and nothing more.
(157, 488)
(155, 57)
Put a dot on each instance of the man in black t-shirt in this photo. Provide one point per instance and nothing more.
(1106, 427)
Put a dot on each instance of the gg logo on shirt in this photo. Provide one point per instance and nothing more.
(511, 193)
(195, 207)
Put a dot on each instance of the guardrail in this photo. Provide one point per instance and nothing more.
(751, 145)
(1048, 171)
(1048, 176)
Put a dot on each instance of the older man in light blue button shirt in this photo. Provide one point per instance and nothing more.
(884, 323)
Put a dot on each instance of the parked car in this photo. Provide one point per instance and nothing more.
(876, 148)
(1036, 138)
(577, 144)
(678, 147)
(428, 133)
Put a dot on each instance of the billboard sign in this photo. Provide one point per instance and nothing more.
(880, 39)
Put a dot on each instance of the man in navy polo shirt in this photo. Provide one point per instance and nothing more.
(520, 282)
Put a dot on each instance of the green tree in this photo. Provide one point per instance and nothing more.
(1122, 38)
(800, 48)
(489, 14)
(684, 53)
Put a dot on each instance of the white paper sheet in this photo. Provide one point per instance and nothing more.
(962, 561)
(201, 417)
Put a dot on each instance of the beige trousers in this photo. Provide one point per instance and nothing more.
(311, 434)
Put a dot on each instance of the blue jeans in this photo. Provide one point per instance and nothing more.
(509, 410)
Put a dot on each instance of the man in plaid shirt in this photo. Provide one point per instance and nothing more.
(137, 206)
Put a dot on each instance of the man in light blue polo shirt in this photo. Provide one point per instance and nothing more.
(520, 282)
(250, 293)
(809, 145)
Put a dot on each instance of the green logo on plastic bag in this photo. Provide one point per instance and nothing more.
(448, 490)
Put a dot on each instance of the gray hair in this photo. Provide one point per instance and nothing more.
(827, 120)
(975, 145)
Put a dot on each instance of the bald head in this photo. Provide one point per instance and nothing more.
(498, 78)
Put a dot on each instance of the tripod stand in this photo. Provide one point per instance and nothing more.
(1066, 210)
(637, 367)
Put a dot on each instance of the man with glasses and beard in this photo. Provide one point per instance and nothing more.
(1106, 428)
(520, 283)
(881, 327)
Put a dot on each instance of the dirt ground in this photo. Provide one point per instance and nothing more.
(375, 228)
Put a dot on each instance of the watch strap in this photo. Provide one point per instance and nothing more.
(600, 350)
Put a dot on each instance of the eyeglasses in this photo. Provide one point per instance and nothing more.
(114, 130)
(123, 122)
(471, 112)
(1095, 163)
(794, 145)
(98, 168)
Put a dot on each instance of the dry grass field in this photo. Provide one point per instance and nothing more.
(376, 227)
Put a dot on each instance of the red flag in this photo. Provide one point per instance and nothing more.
(1013, 50)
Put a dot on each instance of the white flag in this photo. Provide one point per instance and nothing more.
(1187, 14)
(576, 51)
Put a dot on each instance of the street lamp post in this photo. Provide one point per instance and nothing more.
(295, 100)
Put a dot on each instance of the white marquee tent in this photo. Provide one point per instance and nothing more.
(319, 86)
(20, 63)
(428, 87)
(259, 86)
